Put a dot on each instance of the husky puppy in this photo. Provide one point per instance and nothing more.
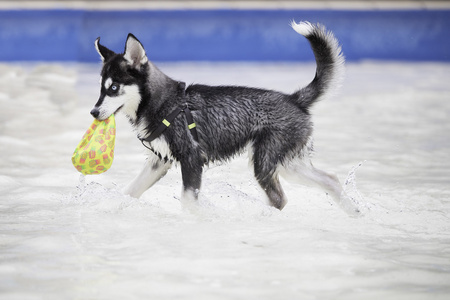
(276, 127)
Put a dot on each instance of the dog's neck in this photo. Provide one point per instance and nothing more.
(161, 87)
(159, 91)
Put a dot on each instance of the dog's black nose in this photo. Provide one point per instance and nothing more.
(95, 112)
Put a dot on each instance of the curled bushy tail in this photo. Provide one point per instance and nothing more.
(330, 63)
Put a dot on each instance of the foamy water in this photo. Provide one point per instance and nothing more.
(386, 135)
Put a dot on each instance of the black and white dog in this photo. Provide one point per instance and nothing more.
(218, 122)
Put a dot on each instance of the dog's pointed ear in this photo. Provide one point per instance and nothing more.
(104, 52)
(134, 52)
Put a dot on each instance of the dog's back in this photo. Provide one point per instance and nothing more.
(230, 118)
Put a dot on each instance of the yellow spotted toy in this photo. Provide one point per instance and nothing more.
(95, 152)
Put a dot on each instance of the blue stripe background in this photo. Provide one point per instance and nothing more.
(222, 35)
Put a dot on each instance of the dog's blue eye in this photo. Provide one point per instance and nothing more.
(114, 87)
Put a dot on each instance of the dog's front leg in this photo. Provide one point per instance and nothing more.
(191, 172)
(152, 171)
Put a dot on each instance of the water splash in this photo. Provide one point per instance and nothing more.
(351, 191)
(95, 195)
(220, 200)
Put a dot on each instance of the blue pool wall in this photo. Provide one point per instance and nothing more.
(222, 35)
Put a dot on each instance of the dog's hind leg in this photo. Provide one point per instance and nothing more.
(303, 172)
(274, 192)
(265, 168)
(153, 170)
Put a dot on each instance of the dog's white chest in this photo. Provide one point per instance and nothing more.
(161, 148)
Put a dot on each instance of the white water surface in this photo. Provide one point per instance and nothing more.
(65, 237)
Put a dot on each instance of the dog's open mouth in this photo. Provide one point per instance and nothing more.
(101, 118)
(117, 110)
